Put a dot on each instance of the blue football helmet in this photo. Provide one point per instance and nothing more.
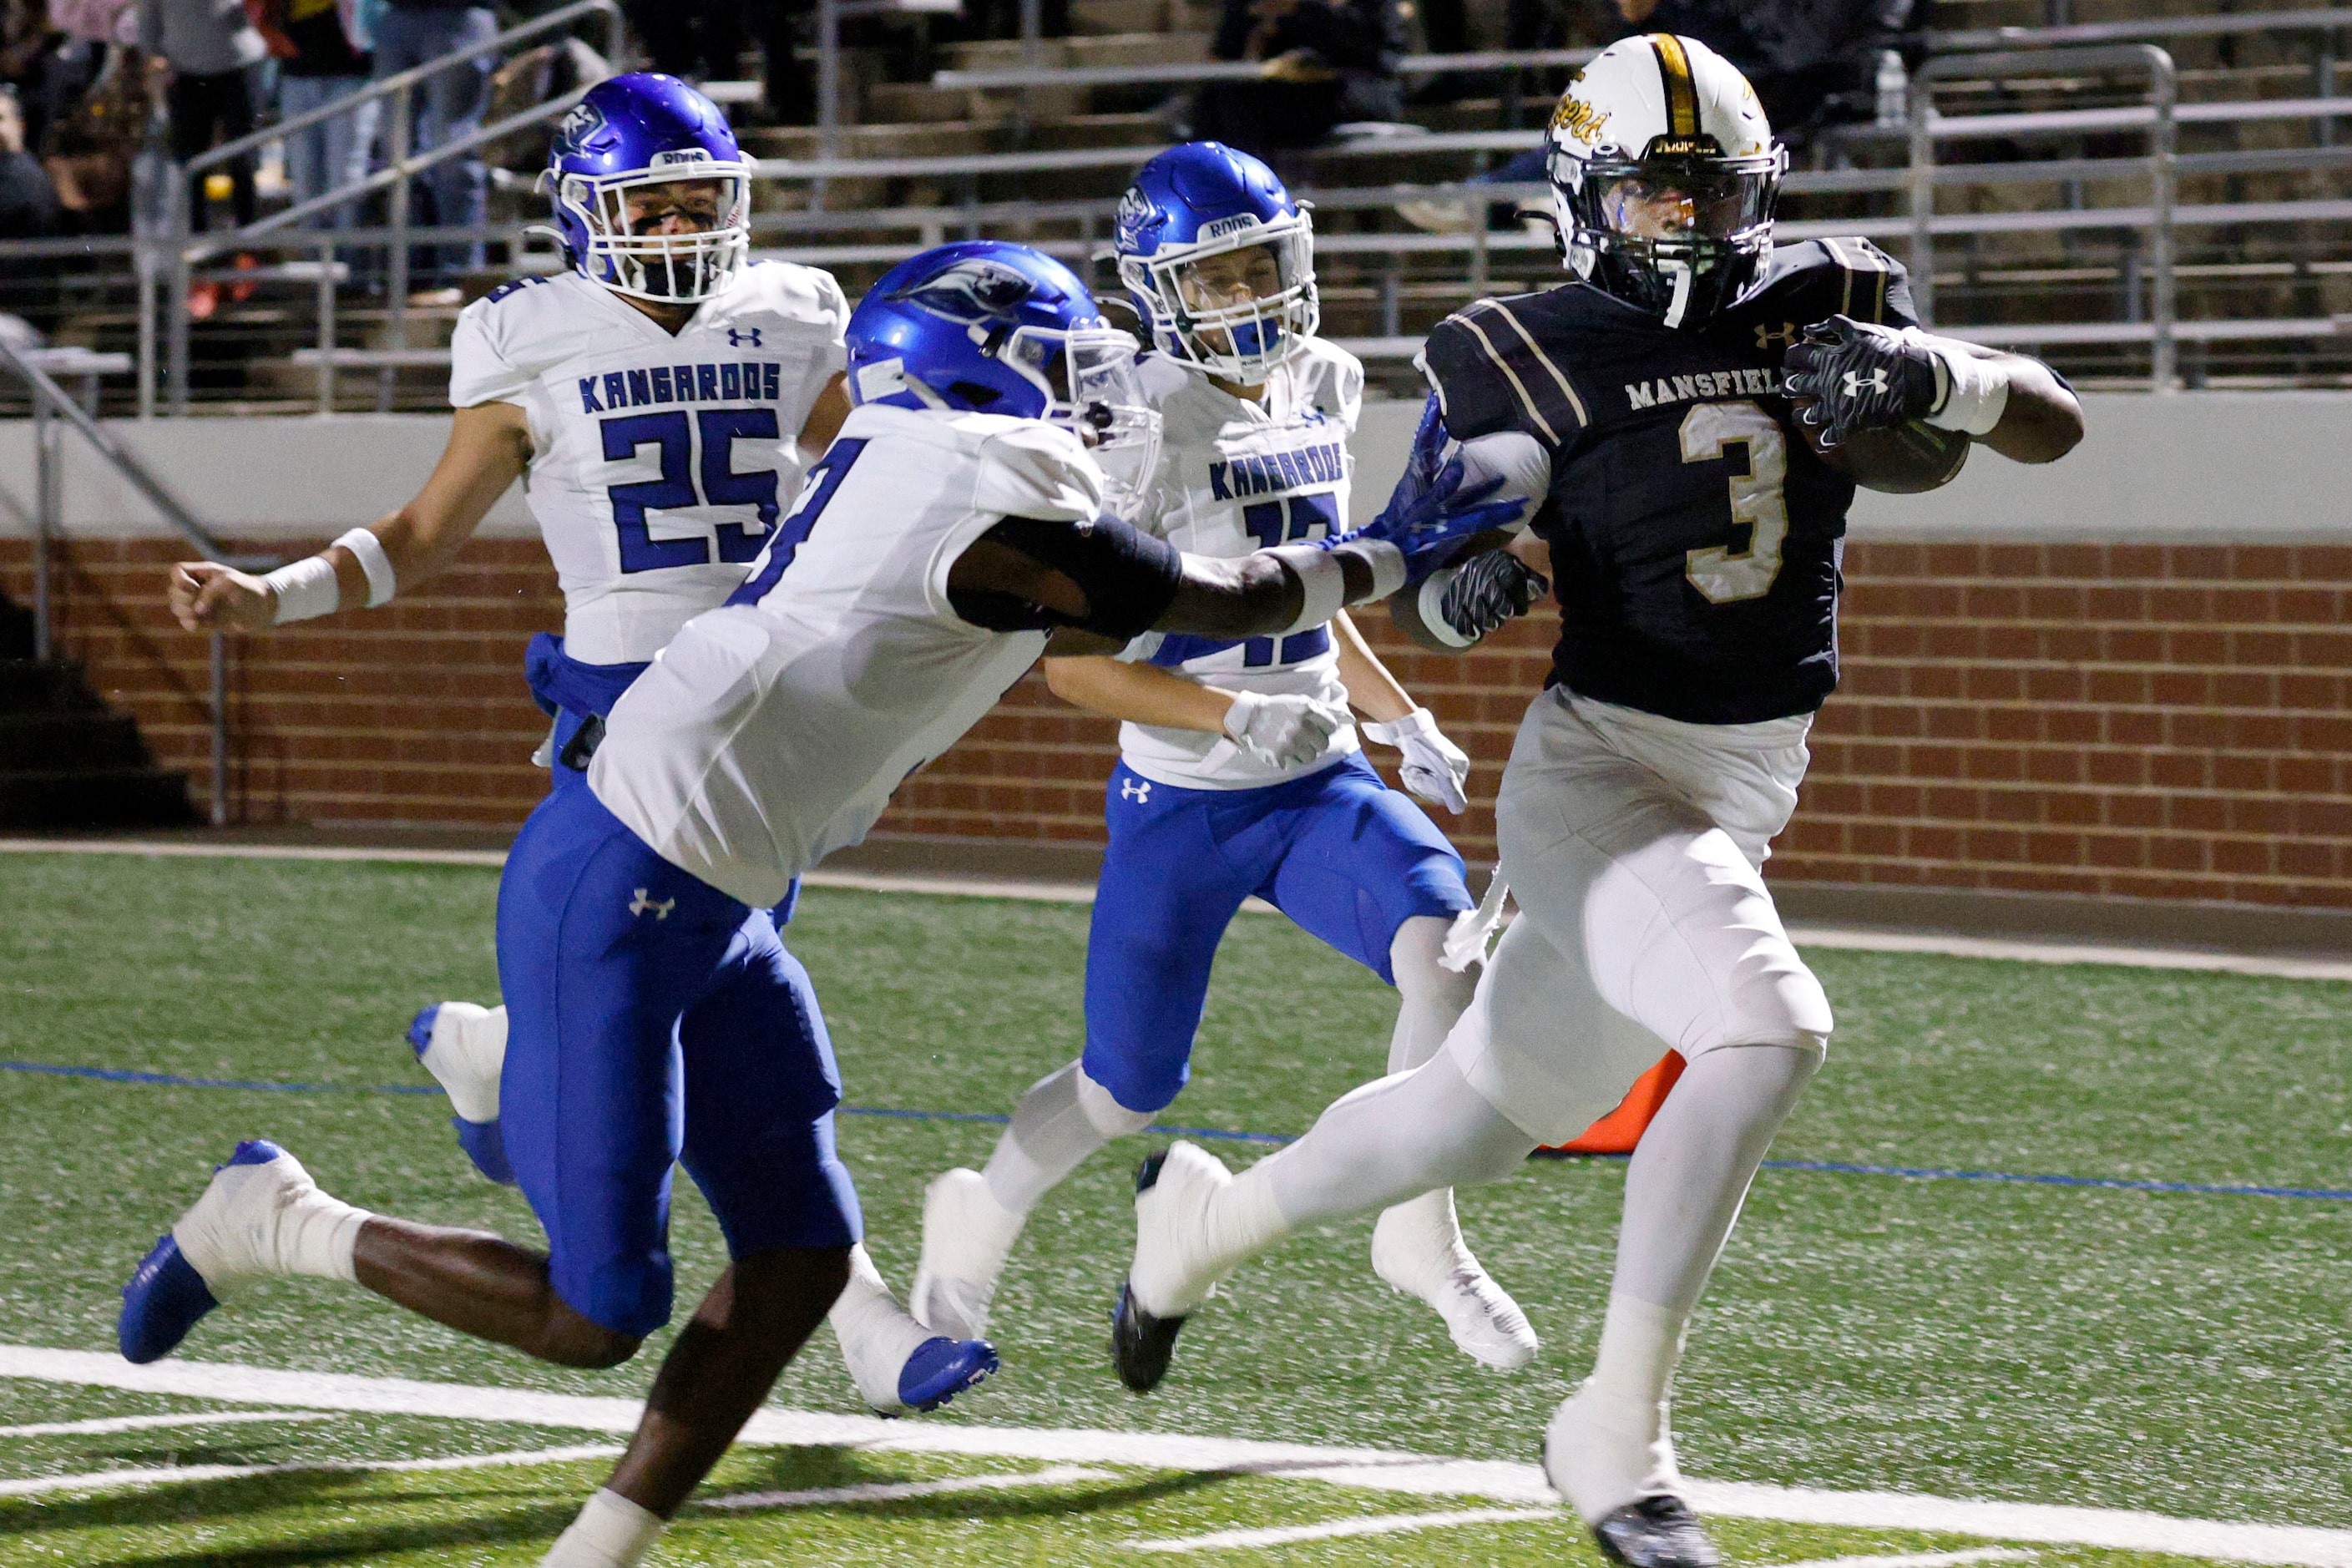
(1203, 200)
(629, 133)
(986, 326)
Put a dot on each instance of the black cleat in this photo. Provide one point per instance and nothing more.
(1140, 1344)
(1655, 1532)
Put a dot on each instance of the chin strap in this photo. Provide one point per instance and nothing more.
(1683, 280)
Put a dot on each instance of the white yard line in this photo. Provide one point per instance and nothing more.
(1855, 938)
(105, 1423)
(1373, 1524)
(891, 1491)
(1917, 1559)
(2289, 1546)
(183, 1474)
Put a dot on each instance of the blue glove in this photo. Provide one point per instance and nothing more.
(1430, 525)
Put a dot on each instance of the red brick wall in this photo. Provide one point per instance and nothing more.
(2165, 722)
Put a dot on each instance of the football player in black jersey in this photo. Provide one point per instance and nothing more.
(1687, 423)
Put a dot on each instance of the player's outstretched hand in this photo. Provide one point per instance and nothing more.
(1283, 731)
(1848, 377)
(1488, 590)
(1433, 767)
(207, 596)
(1428, 525)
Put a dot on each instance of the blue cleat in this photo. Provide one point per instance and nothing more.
(167, 1296)
(466, 1064)
(943, 1368)
(163, 1300)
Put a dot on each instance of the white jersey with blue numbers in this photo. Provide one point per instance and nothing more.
(770, 732)
(1236, 476)
(658, 464)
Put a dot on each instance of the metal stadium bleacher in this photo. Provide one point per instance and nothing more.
(2147, 200)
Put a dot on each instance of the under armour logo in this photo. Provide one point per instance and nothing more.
(1767, 335)
(660, 908)
(743, 337)
(1855, 382)
(1135, 789)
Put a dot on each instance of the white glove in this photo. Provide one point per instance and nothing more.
(1433, 768)
(1283, 731)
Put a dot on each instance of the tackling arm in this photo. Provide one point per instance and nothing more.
(489, 447)
(1139, 693)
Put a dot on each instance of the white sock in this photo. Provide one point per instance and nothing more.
(877, 1335)
(1430, 997)
(1612, 1441)
(322, 1238)
(611, 1532)
(1065, 1117)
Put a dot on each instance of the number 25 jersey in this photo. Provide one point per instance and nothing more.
(1696, 538)
(659, 464)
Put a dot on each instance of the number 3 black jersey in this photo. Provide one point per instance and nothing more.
(1694, 536)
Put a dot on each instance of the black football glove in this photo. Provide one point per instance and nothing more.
(1488, 590)
(1848, 377)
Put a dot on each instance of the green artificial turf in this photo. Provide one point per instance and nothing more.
(2185, 1354)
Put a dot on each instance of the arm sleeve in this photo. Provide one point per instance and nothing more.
(1129, 578)
(480, 369)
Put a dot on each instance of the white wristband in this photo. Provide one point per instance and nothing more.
(303, 589)
(1975, 391)
(1324, 580)
(382, 584)
(1385, 559)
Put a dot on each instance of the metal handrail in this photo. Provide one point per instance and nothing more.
(179, 254)
(1468, 62)
(50, 401)
(616, 39)
(2163, 93)
(1971, 38)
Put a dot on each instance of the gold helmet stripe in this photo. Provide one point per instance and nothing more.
(1681, 94)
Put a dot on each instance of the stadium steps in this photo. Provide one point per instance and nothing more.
(66, 760)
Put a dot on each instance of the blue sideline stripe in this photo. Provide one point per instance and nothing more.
(1833, 1167)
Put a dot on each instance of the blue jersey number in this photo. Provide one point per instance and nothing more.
(1289, 522)
(816, 495)
(721, 485)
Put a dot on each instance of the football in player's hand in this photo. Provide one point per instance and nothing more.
(1907, 459)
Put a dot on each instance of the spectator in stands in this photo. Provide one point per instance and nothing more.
(321, 60)
(448, 107)
(28, 203)
(1326, 62)
(1813, 62)
(212, 51)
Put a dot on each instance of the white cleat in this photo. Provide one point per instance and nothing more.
(1417, 1248)
(966, 1236)
(1177, 1264)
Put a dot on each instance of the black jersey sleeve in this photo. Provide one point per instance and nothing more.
(1495, 366)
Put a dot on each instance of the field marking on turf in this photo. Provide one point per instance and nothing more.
(1223, 1135)
(892, 1491)
(106, 1423)
(1917, 1559)
(1375, 1469)
(1862, 939)
(1375, 1524)
(187, 1475)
